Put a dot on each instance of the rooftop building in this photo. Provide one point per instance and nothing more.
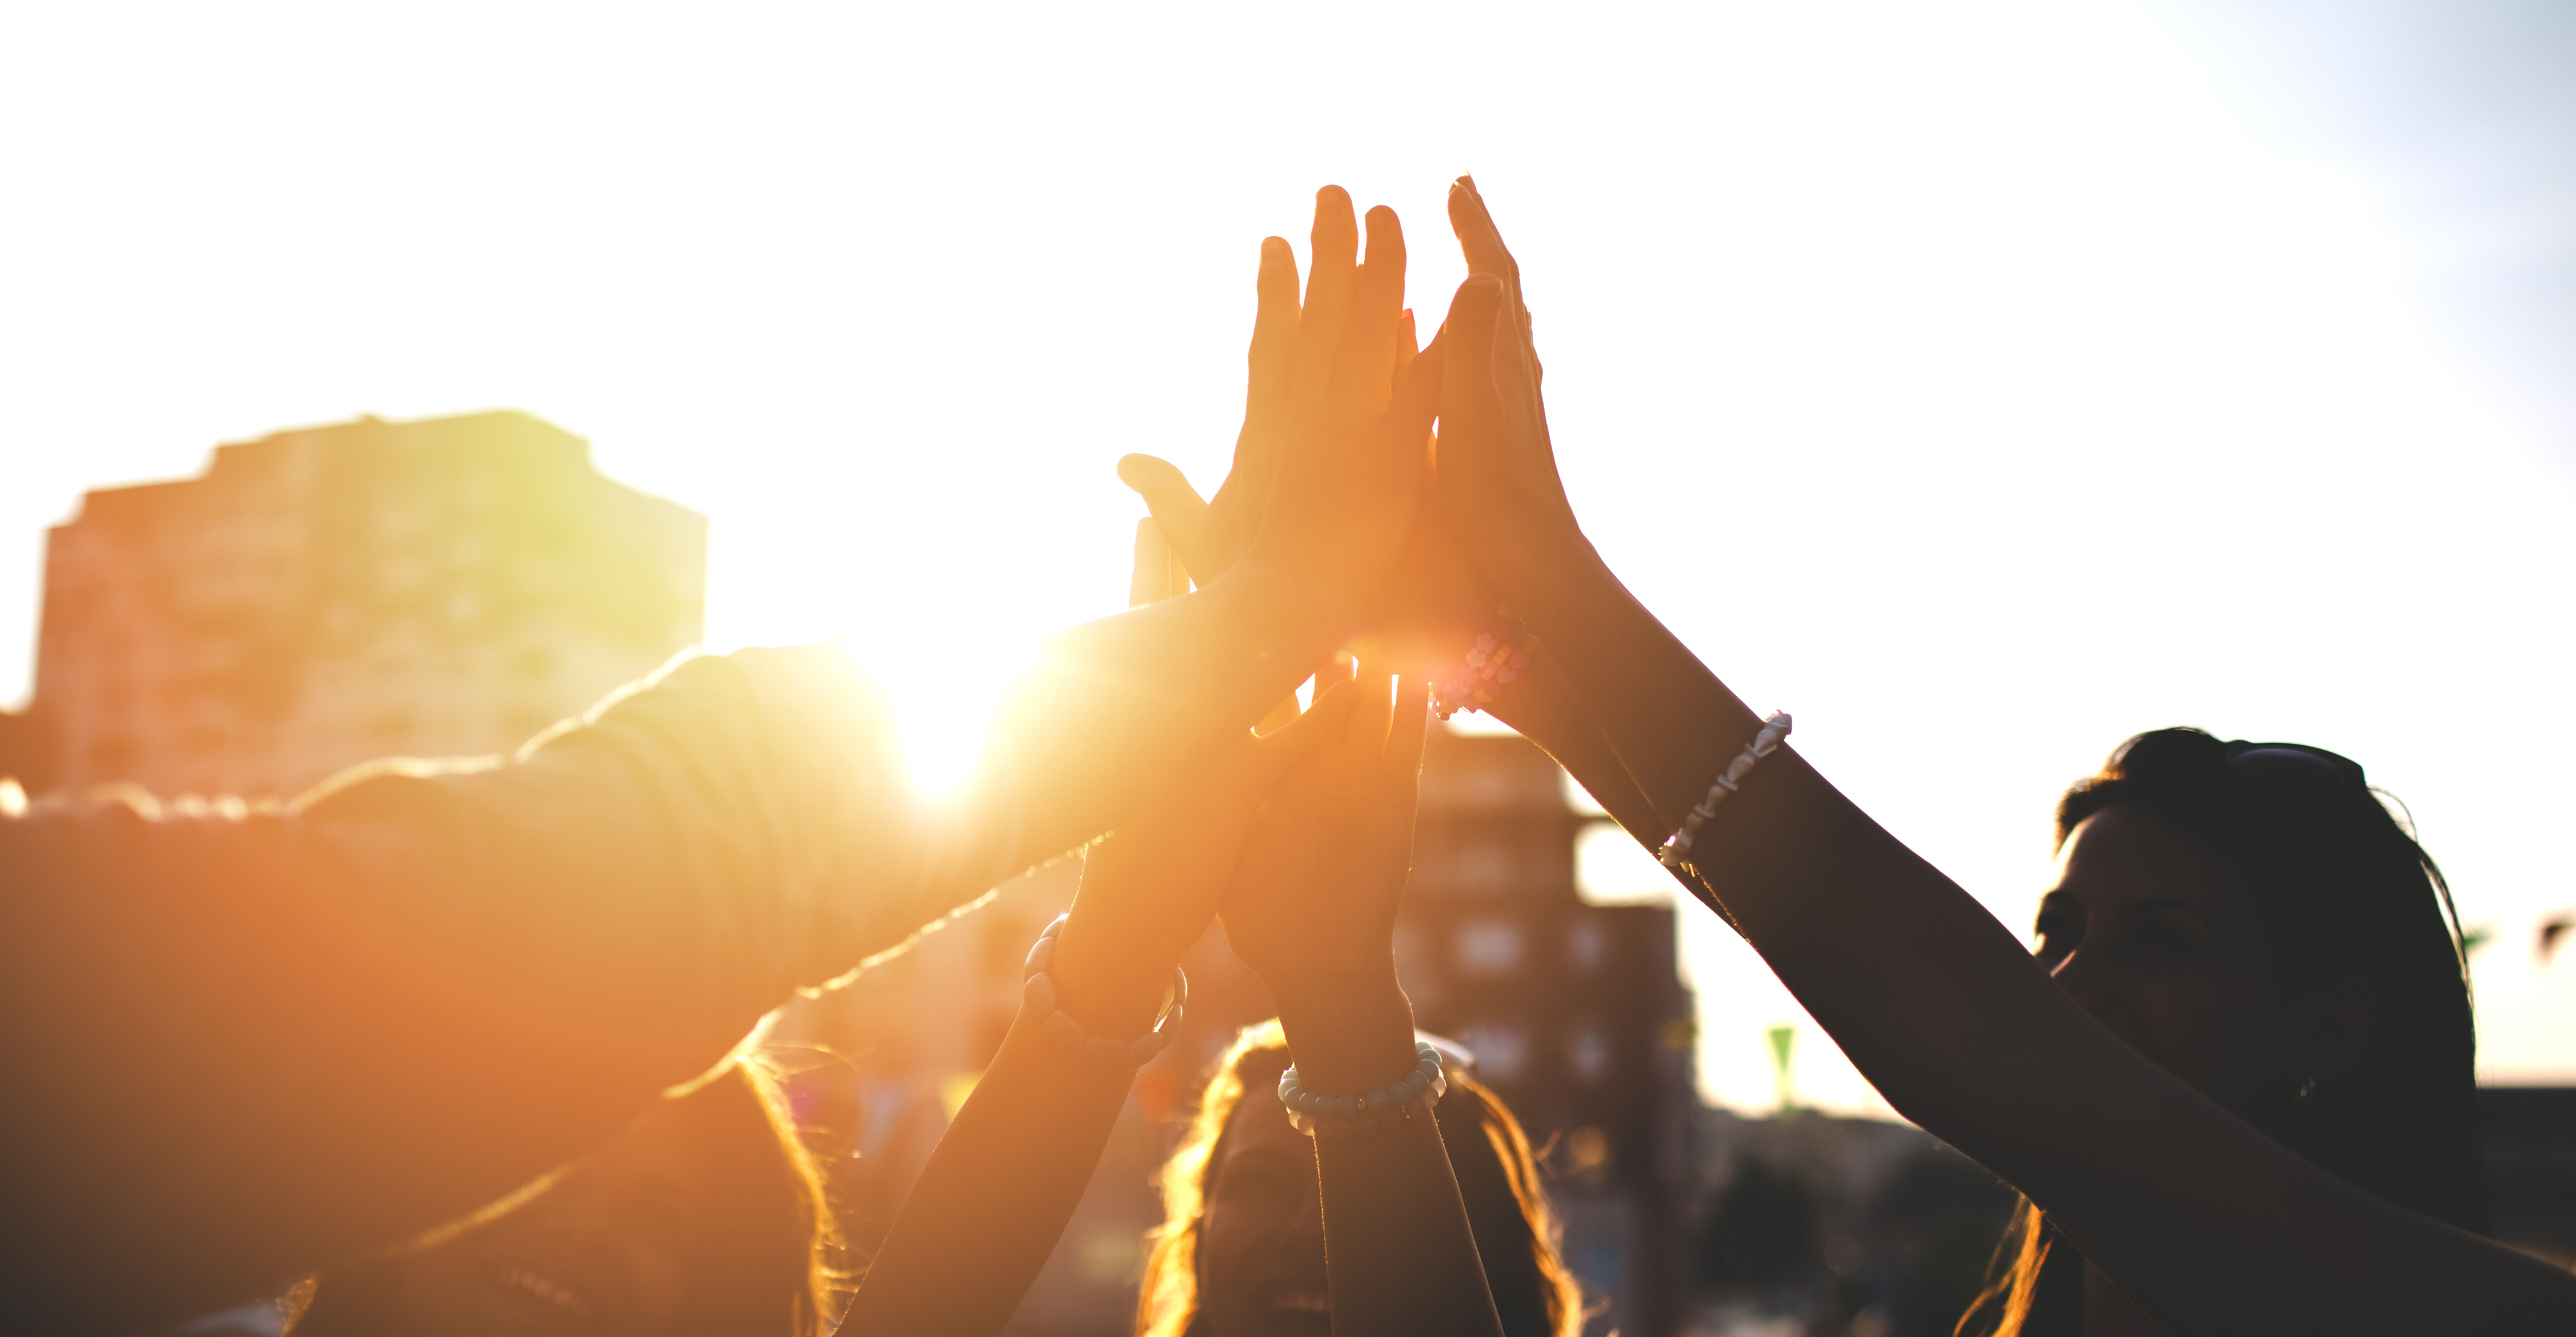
(446, 587)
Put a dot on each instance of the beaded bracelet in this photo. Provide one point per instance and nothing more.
(1676, 851)
(1497, 658)
(1068, 1035)
(1383, 1110)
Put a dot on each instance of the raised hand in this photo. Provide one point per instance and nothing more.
(1435, 600)
(1329, 465)
(1150, 887)
(1496, 465)
(1313, 903)
(1439, 595)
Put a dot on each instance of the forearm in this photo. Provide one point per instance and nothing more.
(1546, 708)
(994, 1199)
(1672, 724)
(1846, 915)
(1947, 1015)
(1400, 1252)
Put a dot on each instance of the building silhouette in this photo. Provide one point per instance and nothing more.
(1576, 1013)
(446, 587)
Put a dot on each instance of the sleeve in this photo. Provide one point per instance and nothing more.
(239, 1048)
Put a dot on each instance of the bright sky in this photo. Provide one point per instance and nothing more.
(1983, 382)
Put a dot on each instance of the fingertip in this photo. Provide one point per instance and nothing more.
(1139, 471)
(1382, 222)
(1333, 210)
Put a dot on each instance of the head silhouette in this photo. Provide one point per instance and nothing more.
(1241, 1249)
(2253, 918)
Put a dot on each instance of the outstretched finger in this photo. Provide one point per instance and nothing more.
(1332, 274)
(1482, 241)
(1274, 336)
(1176, 507)
(1478, 237)
(1377, 303)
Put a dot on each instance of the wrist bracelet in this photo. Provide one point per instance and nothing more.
(1497, 658)
(1383, 1110)
(1069, 1037)
(1675, 853)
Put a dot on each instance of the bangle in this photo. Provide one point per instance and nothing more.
(1383, 1110)
(1498, 656)
(1675, 854)
(1070, 1038)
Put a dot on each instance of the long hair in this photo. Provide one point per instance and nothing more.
(761, 1262)
(1498, 1178)
(2342, 891)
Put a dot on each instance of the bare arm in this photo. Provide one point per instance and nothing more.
(1313, 912)
(413, 993)
(2181, 1202)
(1006, 1177)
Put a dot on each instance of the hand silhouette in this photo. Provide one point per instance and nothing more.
(1435, 602)
(1328, 468)
(1494, 461)
(1314, 899)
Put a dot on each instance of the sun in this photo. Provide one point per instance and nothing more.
(944, 686)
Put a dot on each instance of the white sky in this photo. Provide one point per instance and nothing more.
(1983, 385)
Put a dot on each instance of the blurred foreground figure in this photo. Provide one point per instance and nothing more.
(1241, 1247)
(246, 1046)
(706, 1217)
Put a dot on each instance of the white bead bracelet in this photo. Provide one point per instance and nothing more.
(1676, 851)
(1069, 1037)
(1383, 1110)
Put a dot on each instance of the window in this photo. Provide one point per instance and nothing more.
(1587, 946)
(1489, 947)
(1501, 1050)
(1587, 1052)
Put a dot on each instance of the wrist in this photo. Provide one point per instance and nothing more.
(1547, 568)
(1347, 1032)
(1112, 982)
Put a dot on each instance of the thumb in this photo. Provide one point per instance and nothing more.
(1176, 505)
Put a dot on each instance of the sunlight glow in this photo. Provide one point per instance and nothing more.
(1973, 380)
(945, 686)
